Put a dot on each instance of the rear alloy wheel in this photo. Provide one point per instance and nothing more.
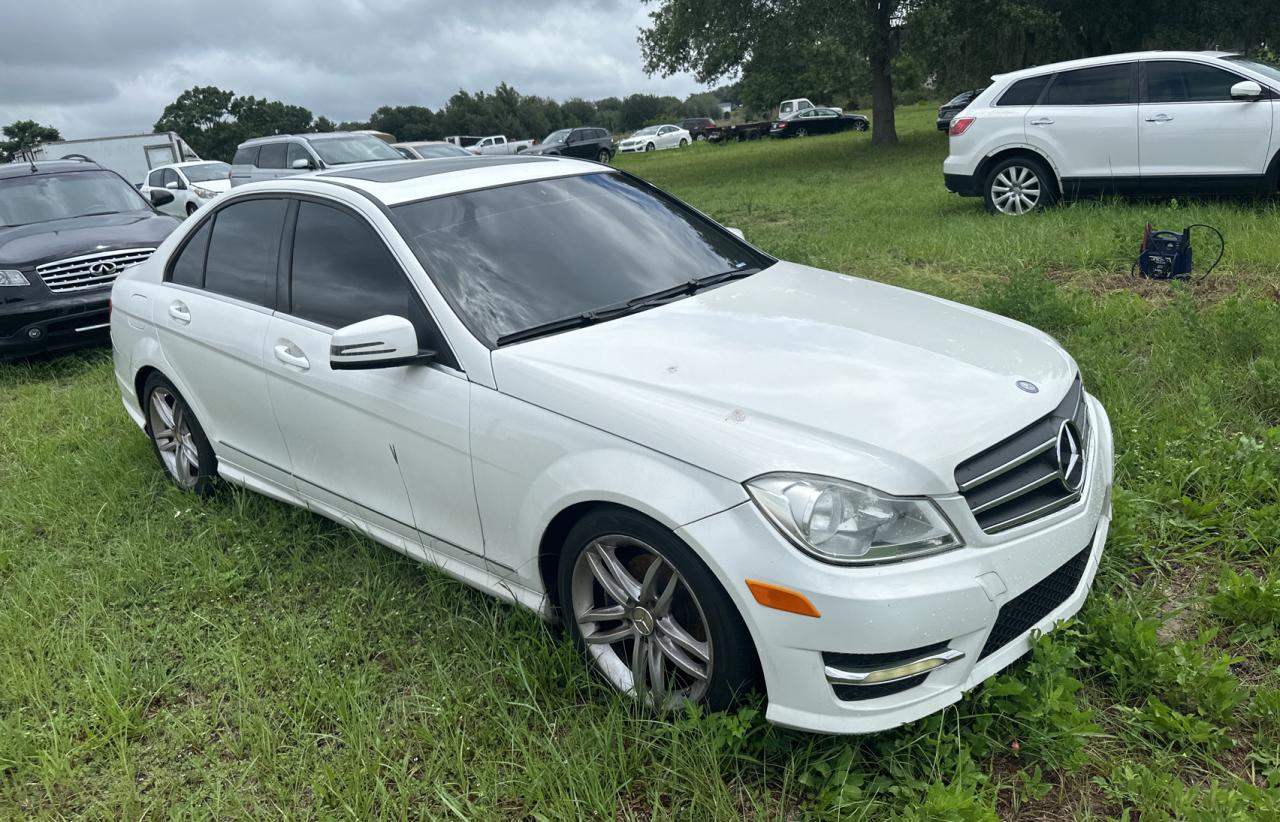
(1018, 186)
(683, 142)
(802, 132)
(701, 138)
(650, 617)
(603, 156)
(177, 438)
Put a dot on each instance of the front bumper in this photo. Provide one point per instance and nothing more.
(948, 602)
(626, 149)
(54, 323)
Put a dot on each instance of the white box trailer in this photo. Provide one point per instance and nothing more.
(130, 155)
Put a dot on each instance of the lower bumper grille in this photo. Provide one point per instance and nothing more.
(1018, 615)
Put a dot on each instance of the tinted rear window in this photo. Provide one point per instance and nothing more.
(1100, 86)
(1024, 92)
(246, 156)
(188, 268)
(272, 156)
(244, 250)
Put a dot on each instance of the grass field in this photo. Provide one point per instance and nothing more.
(165, 657)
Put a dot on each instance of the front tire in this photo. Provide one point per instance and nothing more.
(1018, 186)
(650, 617)
(177, 439)
(861, 125)
(649, 147)
(191, 209)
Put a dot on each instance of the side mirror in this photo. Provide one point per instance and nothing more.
(173, 185)
(160, 196)
(302, 164)
(737, 232)
(1246, 90)
(378, 342)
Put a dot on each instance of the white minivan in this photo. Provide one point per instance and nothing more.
(1156, 122)
(283, 155)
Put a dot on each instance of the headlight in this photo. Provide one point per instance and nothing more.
(10, 277)
(204, 193)
(848, 524)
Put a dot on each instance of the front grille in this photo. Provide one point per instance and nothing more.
(1018, 615)
(1019, 479)
(90, 270)
(853, 693)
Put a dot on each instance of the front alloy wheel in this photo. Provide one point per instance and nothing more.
(649, 147)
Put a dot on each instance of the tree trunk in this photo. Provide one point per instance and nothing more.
(880, 49)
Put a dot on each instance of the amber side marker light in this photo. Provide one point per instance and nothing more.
(782, 599)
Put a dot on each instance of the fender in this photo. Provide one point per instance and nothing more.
(986, 161)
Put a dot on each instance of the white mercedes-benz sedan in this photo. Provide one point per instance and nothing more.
(561, 385)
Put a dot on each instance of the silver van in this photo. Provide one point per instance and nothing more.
(283, 155)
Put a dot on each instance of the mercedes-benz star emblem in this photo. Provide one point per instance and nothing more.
(1028, 386)
(102, 268)
(1070, 459)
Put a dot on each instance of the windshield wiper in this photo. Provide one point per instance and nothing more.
(610, 312)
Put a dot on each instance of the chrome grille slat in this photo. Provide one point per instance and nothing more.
(76, 274)
(1017, 480)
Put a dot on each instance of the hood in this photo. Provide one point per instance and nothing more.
(221, 185)
(26, 246)
(798, 369)
(544, 148)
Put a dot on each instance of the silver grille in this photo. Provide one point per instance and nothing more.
(90, 270)
(1035, 472)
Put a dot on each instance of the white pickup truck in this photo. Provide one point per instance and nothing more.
(498, 144)
(790, 108)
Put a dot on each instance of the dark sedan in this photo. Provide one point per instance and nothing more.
(954, 106)
(66, 229)
(818, 121)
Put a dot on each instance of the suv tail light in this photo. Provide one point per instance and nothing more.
(959, 125)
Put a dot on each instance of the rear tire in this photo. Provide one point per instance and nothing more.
(603, 156)
(1018, 186)
(637, 599)
(701, 138)
(802, 132)
(177, 439)
(683, 142)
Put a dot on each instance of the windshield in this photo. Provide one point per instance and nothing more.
(353, 148)
(441, 150)
(205, 172)
(40, 198)
(1267, 69)
(557, 136)
(647, 130)
(519, 256)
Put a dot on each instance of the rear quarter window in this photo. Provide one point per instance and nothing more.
(246, 156)
(1025, 92)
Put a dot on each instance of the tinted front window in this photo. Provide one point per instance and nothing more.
(353, 148)
(188, 267)
(295, 153)
(518, 256)
(1024, 92)
(244, 249)
(557, 136)
(272, 155)
(342, 271)
(40, 198)
(1169, 81)
(206, 172)
(156, 178)
(1101, 86)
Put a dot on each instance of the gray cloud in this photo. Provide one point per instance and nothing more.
(111, 66)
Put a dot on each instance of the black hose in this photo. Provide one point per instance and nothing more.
(1222, 249)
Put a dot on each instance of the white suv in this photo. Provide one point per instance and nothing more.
(1156, 122)
(719, 468)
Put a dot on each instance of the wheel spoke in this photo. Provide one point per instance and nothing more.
(663, 605)
(168, 445)
(180, 463)
(638, 667)
(189, 448)
(608, 637)
(699, 650)
(607, 613)
(657, 668)
(682, 660)
(622, 578)
(650, 584)
(162, 410)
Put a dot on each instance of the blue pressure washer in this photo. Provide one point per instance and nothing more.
(1166, 255)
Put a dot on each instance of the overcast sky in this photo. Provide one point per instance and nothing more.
(98, 67)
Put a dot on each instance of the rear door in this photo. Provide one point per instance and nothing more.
(1086, 122)
(212, 322)
(244, 164)
(1193, 135)
(273, 162)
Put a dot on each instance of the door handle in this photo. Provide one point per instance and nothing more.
(179, 312)
(1043, 121)
(1160, 118)
(290, 354)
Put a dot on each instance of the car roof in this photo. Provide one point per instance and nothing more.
(310, 136)
(186, 163)
(412, 143)
(393, 182)
(1108, 59)
(26, 169)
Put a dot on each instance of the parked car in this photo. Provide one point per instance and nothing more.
(818, 121)
(283, 155)
(193, 184)
(652, 138)
(429, 149)
(790, 108)
(586, 143)
(67, 228)
(611, 418)
(129, 155)
(1156, 122)
(700, 128)
(954, 106)
(499, 144)
(462, 140)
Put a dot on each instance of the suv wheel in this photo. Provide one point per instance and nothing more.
(1018, 186)
(603, 156)
(700, 138)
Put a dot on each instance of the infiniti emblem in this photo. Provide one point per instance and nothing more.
(104, 267)
(1028, 386)
(1070, 460)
